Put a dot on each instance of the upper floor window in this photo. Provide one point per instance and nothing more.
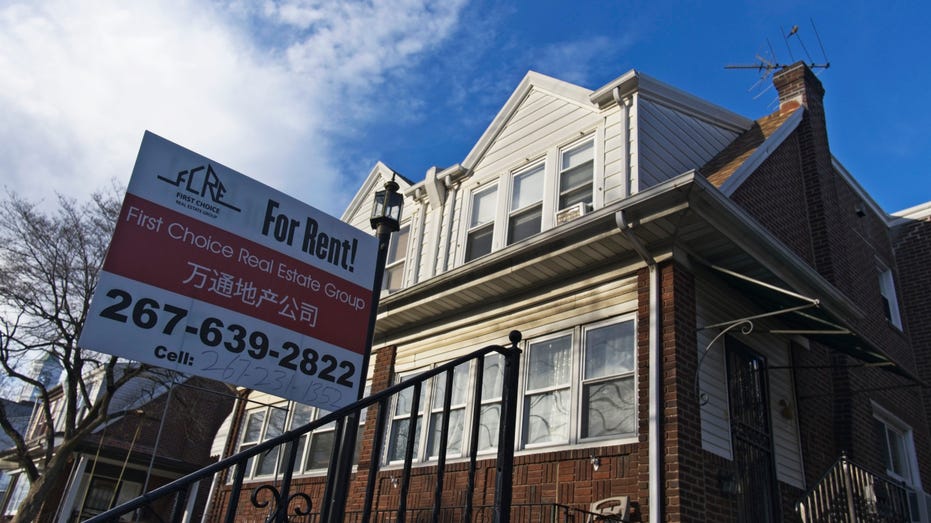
(481, 223)
(544, 193)
(394, 266)
(525, 214)
(889, 301)
(576, 175)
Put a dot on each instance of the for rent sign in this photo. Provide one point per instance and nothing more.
(215, 274)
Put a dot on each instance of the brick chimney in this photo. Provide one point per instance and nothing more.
(798, 86)
(800, 89)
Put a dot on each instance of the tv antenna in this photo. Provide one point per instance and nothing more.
(767, 64)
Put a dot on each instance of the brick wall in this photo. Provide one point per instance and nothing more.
(913, 253)
(799, 196)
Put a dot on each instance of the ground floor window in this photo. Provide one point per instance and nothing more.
(19, 486)
(579, 385)
(264, 422)
(576, 384)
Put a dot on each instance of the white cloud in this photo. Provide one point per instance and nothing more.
(262, 89)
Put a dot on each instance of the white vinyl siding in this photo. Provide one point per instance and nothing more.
(715, 303)
(542, 120)
(617, 147)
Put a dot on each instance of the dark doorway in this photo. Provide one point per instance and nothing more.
(751, 434)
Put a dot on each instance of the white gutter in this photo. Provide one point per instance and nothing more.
(655, 385)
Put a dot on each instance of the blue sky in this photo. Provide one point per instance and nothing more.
(307, 95)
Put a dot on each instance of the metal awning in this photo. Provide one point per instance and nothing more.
(803, 316)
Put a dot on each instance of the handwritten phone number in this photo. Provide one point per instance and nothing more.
(147, 313)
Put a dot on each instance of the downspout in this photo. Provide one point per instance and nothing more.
(655, 358)
(655, 385)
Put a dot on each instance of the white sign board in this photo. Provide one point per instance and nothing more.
(215, 274)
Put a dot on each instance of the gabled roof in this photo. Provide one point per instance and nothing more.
(532, 80)
(379, 173)
(730, 167)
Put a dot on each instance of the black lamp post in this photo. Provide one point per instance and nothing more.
(385, 219)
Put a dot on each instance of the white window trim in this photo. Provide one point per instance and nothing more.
(504, 182)
(887, 289)
(574, 439)
(300, 464)
(400, 261)
(888, 418)
(466, 219)
(557, 165)
(502, 225)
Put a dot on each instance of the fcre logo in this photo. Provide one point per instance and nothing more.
(201, 180)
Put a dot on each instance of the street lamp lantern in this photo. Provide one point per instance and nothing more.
(387, 209)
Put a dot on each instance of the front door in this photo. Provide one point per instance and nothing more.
(752, 437)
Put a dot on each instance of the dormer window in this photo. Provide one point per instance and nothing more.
(481, 223)
(526, 212)
(889, 301)
(576, 173)
(394, 266)
(551, 188)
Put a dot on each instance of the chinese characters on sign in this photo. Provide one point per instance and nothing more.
(212, 273)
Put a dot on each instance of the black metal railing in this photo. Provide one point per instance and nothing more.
(849, 493)
(520, 513)
(175, 499)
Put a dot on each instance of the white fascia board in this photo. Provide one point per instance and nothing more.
(653, 89)
(532, 80)
(761, 153)
(918, 212)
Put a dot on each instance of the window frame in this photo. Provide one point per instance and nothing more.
(550, 158)
(392, 456)
(578, 144)
(290, 408)
(888, 295)
(470, 229)
(397, 260)
(536, 206)
(577, 384)
(893, 423)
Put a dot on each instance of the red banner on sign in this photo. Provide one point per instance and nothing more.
(166, 249)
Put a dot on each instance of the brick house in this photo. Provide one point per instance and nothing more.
(166, 435)
(715, 315)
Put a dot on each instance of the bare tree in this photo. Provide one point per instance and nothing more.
(49, 264)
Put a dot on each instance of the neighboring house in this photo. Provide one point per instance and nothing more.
(715, 314)
(166, 435)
